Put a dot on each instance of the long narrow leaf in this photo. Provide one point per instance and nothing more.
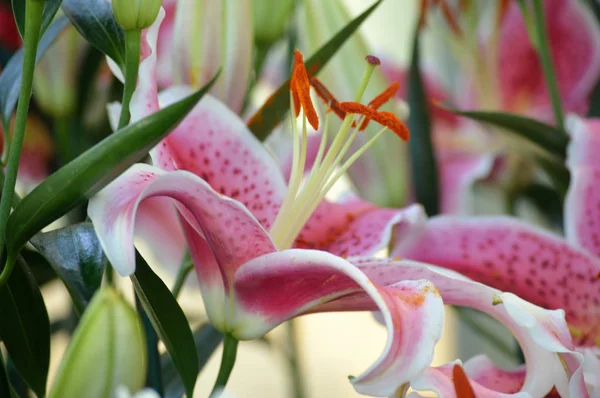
(547, 137)
(277, 106)
(10, 79)
(169, 321)
(92, 170)
(207, 339)
(423, 162)
(25, 327)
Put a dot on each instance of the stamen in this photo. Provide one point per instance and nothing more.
(381, 99)
(387, 119)
(300, 88)
(327, 97)
(461, 383)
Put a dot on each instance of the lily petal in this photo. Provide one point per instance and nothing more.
(550, 356)
(215, 144)
(483, 371)
(278, 286)
(515, 257)
(440, 381)
(582, 215)
(233, 234)
(574, 38)
(357, 228)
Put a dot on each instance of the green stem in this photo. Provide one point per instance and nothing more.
(293, 357)
(543, 49)
(182, 274)
(132, 63)
(230, 345)
(154, 375)
(33, 21)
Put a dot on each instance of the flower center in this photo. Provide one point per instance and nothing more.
(305, 193)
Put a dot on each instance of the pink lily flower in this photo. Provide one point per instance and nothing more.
(199, 37)
(536, 265)
(243, 225)
(503, 73)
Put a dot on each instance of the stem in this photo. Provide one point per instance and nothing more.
(543, 49)
(293, 357)
(33, 20)
(182, 274)
(132, 63)
(230, 345)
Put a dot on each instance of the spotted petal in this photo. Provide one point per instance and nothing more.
(515, 257)
(582, 214)
(275, 287)
(542, 334)
(574, 39)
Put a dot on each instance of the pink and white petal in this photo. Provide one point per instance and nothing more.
(233, 234)
(458, 172)
(512, 256)
(215, 144)
(483, 371)
(542, 334)
(165, 47)
(591, 370)
(145, 97)
(275, 287)
(574, 38)
(159, 232)
(582, 214)
(357, 228)
(440, 381)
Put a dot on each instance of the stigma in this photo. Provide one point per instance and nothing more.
(336, 153)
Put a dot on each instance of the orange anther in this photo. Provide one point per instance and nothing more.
(386, 119)
(300, 87)
(327, 97)
(461, 383)
(385, 96)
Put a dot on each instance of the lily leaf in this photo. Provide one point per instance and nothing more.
(277, 106)
(76, 255)
(6, 390)
(25, 327)
(48, 13)
(207, 339)
(92, 170)
(95, 20)
(422, 157)
(10, 79)
(168, 321)
(550, 138)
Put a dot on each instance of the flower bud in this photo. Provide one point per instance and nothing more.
(270, 19)
(108, 350)
(136, 14)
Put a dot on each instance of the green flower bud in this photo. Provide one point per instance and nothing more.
(108, 350)
(136, 14)
(270, 19)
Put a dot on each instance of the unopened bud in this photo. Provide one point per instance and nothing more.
(108, 350)
(136, 14)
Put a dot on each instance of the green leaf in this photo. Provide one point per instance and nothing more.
(92, 170)
(547, 137)
(275, 109)
(207, 339)
(76, 255)
(95, 20)
(422, 157)
(169, 321)
(39, 267)
(50, 9)
(25, 328)
(6, 389)
(10, 79)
